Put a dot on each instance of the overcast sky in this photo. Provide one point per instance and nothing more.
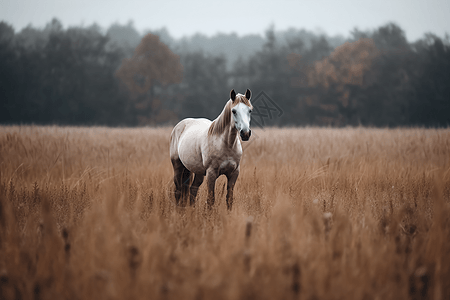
(243, 17)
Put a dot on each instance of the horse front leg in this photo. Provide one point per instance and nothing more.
(211, 176)
(230, 187)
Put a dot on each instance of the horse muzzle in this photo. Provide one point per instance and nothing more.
(245, 136)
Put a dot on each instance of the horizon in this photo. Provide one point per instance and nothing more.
(320, 17)
(103, 30)
(142, 32)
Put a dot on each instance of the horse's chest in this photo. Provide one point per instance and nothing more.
(228, 165)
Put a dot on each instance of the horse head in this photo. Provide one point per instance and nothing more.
(241, 113)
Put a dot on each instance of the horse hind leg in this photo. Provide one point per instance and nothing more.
(186, 180)
(181, 178)
(198, 180)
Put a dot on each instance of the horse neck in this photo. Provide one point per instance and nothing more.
(229, 135)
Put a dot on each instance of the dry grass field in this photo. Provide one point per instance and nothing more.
(88, 213)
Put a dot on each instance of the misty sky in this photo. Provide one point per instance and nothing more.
(209, 17)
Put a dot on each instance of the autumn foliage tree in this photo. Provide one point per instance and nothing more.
(152, 66)
(342, 74)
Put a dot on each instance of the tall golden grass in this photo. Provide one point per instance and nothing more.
(88, 213)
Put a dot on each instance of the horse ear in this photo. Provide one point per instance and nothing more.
(248, 94)
(233, 95)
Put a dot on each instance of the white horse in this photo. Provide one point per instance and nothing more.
(205, 148)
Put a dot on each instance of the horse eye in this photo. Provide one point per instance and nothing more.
(250, 111)
(234, 112)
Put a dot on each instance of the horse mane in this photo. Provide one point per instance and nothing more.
(223, 121)
(219, 125)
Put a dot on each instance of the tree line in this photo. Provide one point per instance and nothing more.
(85, 76)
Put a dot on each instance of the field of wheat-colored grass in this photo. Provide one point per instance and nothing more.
(355, 213)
